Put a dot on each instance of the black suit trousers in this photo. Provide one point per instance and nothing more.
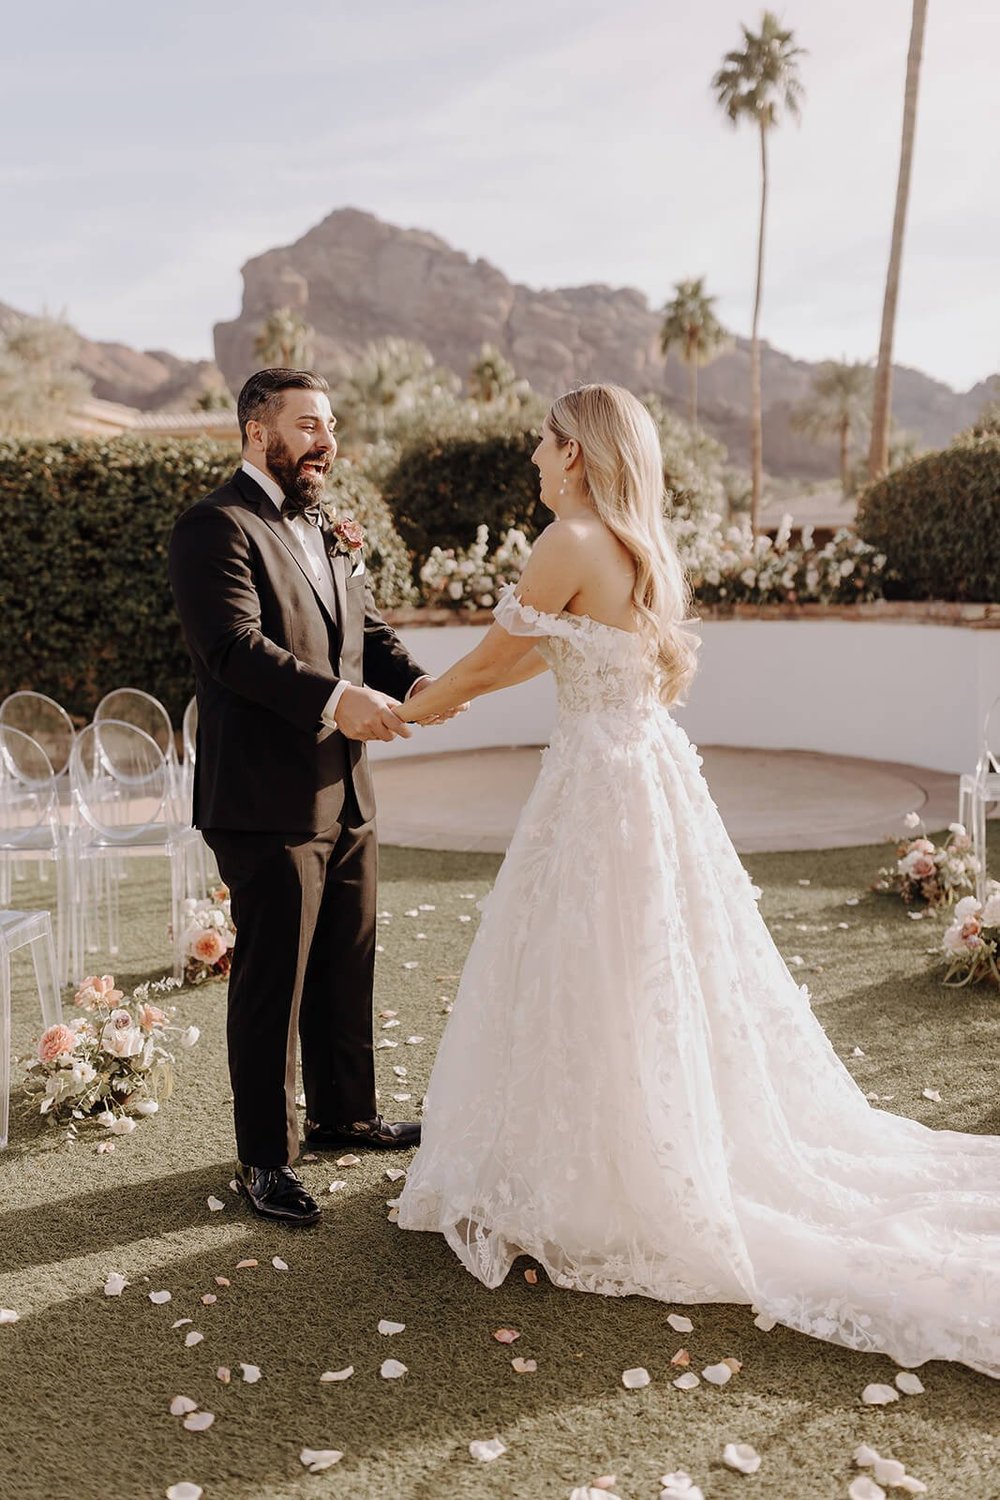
(302, 969)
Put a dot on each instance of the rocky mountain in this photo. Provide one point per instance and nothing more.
(355, 278)
(151, 381)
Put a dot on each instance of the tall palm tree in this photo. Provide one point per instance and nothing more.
(285, 340)
(689, 321)
(837, 406)
(759, 83)
(878, 452)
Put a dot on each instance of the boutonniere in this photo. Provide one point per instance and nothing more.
(346, 539)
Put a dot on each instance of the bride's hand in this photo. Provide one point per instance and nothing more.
(441, 718)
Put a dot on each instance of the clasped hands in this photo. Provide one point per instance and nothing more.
(365, 714)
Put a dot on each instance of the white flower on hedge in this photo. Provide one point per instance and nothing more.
(455, 590)
(121, 1037)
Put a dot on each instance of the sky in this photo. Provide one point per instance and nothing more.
(148, 152)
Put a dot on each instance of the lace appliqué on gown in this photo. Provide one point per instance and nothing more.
(633, 1089)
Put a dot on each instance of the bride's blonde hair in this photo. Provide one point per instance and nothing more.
(623, 477)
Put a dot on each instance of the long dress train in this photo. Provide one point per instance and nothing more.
(633, 1089)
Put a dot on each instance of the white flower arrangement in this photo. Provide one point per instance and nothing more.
(471, 578)
(111, 1059)
(728, 565)
(924, 871)
(208, 936)
(971, 944)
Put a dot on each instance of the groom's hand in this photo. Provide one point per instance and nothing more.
(364, 714)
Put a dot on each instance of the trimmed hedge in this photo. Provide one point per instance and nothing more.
(85, 600)
(441, 491)
(938, 522)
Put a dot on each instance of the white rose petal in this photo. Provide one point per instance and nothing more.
(591, 1492)
(8, 1315)
(679, 1323)
(680, 1486)
(717, 1374)
(864, 1456)
(329, 1375)
(486, 1450)
(879, 1395)
(115, 1284)
(190, 1036)
(395, 1174)
(199, 1421)
(185, 1491)
(414, 1041)
(857, 1052)
(159, 1298)
(145, 1107)
(251, 1373)
(932, 1094)
(687, 1381)
(182, 1322)
(425, 907)
(853, 901)
(348, 1161)
(888, 1471)
(909, 1384)
(318, 1459)
(384, 1042)
(765, 1322)
(181, 1405)
(911, 1485)
(864, 1488)
(124, 1125)
(335, 1187)
(634, 1380)
(215, 1204)
(391, 1369)
(523, 1366)
(192, 1338)
(741, 1456)
(410, 964)
(388, 1328)
(278, 1263)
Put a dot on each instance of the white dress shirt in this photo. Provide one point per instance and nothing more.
(311, 541)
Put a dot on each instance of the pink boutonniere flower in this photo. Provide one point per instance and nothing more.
(346, 538)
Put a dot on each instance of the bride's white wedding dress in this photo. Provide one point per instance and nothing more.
(633, 1089)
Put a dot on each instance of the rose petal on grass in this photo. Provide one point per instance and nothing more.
(103, 1147)
(765, 1322)
(182, 1322)
(879, 1395)
(395, 1174)
(216, 1205)
(864, 1456)
(402, 1098)
(209, 1299)
(857, 1052)
(318, 1459)
(388, 1328)
(681, 1359)
(414, 1041)
(159, 1298)
(391, 1369)
(388, 1015)
(331, 1375)
(888, 1471)
(181, 1405)
(741, 1456)
(222, 1281)
(864, 1488)
(909, 1384)
(506, 1335)
(115, 1284)
(487, 1449)
(309, 1156)
(634, 1380)
(185, 1491)
(719, 1374)
(348, 1161)
(233, 1185)
(679, 1323)
(335, 1187)
(400, 1071)
(531, 1276)
(199, 1421)
(605, 1482)
(192, 1338)
(251, 1373)
(593, 1491)
(932, 1094)
(680, 1486)
(393, 1215)
(384, 1042)
(278, 1263)
(8, 1315)
(735, 1365)
(687, 1381)
(224, 1373)
(243, 1265)
(413, 912)
(424, 906)
(410, 964)
(523, 1366)
(910, 1485)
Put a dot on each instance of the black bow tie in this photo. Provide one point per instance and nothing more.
(293, 506)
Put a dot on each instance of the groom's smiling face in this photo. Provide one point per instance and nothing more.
(299, 445)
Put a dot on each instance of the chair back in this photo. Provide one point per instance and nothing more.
(989, 760)
(29, 796)
(133, 706)
(121, 782)
(190, 734)
(46, 721)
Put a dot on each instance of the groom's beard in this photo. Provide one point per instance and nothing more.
(294, 478)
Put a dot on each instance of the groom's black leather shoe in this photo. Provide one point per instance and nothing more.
(276, 1193)
(397, 1135)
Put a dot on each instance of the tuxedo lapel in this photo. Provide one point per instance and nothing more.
(276, 523)
(338, 567)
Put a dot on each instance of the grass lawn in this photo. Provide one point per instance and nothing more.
(86, 1380)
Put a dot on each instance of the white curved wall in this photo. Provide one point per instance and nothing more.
(886, 690)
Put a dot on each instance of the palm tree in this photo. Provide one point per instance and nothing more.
(689, 321)
(878, 452)
(758, 83)
(837, 406)
(389, 378)
(285, 340)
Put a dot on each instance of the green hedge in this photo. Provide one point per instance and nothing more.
(441, 490)
(938, 523)
(86, 605)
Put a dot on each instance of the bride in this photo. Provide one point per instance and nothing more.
(632, 1088)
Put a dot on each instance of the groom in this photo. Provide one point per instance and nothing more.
(295, 669)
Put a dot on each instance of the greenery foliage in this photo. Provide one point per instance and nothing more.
(83, 576)
(38, 378)
(938, 522)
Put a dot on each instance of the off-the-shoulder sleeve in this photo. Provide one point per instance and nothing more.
(521, 619)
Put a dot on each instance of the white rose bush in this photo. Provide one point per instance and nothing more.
(112, 1063)
(471, 578)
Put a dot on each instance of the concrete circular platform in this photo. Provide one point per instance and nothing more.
(769, 799)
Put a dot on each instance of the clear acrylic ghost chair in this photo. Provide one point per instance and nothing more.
(126, 800)
(979, 787)
(50, 726)
(32, 930)
(189, 736)
(134, 706)
(31, 827)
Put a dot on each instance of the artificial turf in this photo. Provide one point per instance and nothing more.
(86, 1380)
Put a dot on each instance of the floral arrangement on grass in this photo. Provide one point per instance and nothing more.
(728, 565)
(112, 1062)
(208, 936)
(972, 942)
(937, 874)
(470, 578)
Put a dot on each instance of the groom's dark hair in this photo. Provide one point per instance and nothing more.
(261, 397)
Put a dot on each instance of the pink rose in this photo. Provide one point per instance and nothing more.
(98, 994)
(970, 933)
(922, 867)
(121, 1037)
(150, 1016)
(56, 1042)
(350, 535)
(208, 947)
(924, 845)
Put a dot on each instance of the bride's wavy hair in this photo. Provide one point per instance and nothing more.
(623, 477)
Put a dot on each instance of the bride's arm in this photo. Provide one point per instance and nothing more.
(548, 583)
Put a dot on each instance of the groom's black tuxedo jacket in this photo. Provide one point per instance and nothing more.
(267, 655)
